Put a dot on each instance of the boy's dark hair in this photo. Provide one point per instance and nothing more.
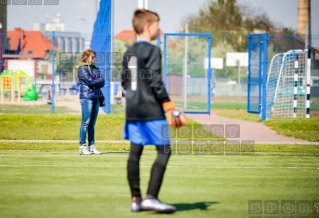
(141, 17)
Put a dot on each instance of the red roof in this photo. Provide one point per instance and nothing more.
(126, 35)
(30, 40)
(129, 34)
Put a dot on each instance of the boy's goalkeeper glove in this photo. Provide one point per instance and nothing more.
(176, 118)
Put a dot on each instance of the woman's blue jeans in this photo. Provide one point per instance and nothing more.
(90, 110)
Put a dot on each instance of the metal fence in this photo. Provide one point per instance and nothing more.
(187, 79)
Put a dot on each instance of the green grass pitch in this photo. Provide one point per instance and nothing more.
(65, 184)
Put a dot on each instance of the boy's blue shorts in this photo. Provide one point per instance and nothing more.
(153, 132)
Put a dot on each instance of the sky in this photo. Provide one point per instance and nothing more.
(171, 12)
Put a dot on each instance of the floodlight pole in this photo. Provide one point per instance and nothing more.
(84, 20)
(238, 83)
(185, 69)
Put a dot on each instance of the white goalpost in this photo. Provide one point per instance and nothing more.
(272, 80)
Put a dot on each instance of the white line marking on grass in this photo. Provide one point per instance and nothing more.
(176, 166)
(239, 167)
(56, 155)
(61, 141)
(36, 155)
(62, 165)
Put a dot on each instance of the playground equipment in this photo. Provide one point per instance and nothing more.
(31, 93)
(14, 82)
(18, 78)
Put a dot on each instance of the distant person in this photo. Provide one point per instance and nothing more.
(213, 91)
(48, 96)
(90, 81)
(146, 99)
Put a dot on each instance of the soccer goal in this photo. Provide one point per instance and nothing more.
(286, 85)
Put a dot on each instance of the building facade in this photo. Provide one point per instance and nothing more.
(67, 42)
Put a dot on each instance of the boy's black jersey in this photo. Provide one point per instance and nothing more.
(142, 82)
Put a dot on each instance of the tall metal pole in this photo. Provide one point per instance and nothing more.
(238, 83)
(306, 36)
(146, 4)
(85, 34)
(308, 74)
(306, 62)
(264, 73)
(158, 41)
(108, 77)
(142, 4)
(112, 26)
(185, 69)
(53, 75)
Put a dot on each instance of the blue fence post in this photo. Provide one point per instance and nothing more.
(265, 65)
(209, 73)
(165, 61)
(248, 76)
(159, 41)
(260, 71)
(110, 49)
(53, 75)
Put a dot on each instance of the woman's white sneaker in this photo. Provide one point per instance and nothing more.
(93, 150)
(83, 150)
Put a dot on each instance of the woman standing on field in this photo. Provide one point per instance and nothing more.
(91, 81)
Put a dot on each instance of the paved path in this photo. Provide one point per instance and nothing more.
(257, 132)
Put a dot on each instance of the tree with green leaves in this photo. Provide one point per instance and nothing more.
(229, 21)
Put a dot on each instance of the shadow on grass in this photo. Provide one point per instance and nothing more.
(194, 206)
(189, 206)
